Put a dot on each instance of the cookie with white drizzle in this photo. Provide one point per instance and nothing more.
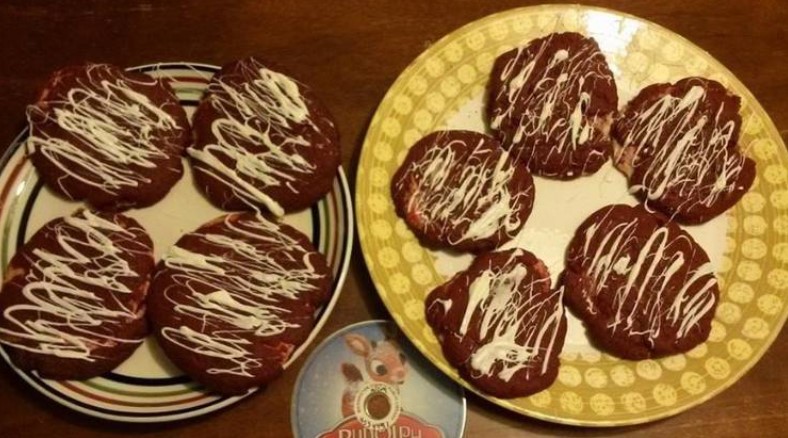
(500, 323)
(678, 145)
(111, 137)
(643, 287)
(461, 190)
(73, 298)
(232, 300)
(551, 103)
(263, 141)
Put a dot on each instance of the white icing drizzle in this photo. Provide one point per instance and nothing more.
(71, 321)
(691, 159)
(481, 190)
(561, 89)
(657, 266)
(516, 326)
(264, 111)
(236, 292)
(114, 127)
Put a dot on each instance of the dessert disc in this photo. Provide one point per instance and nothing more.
(367, 380)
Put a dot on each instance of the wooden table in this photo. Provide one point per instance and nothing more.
(351, 52)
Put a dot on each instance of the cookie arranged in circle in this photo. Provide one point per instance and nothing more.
(643, 287)
(551, 103)
(232, 300)
(73, 297)
(263, 141)
(461, 190)
(110, 137)
(678, 145)
(500, 324)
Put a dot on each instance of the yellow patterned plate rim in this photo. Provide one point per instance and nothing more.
(752, 309)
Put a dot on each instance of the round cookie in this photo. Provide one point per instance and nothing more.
(460, 190)
(263, 140)
(111, 137)
(643, 287)
(73, 297)
(500, 324)
(678, 145)
(231, 301)
(551, 103)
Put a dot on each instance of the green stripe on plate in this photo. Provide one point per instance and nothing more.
(198, 91)
(189, 389)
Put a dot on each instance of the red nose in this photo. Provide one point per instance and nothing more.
(398, 376)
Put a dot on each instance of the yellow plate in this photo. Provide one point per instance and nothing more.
(444, 87)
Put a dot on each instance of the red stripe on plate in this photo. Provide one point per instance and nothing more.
(11, 179)
(110, 401)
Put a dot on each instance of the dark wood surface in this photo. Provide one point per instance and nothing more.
(351, 52)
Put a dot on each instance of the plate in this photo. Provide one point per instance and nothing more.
(147, 387)
(444, 88)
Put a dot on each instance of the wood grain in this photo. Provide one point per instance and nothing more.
(351, 52)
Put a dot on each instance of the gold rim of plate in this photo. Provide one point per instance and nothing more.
(592, 389)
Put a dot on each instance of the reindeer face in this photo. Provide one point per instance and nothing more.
(384, 361)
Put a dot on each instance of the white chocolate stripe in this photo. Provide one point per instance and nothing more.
(263, 111)
(241, 288)
(701, 168)
(481, 190)
(114, 126)
(521, 327)
(657, 266)
(562, 82)
(68, 315)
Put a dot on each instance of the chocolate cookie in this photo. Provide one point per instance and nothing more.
(551, 104)
(263, 140)
(73, 298)
(500, 324)
(460, 190)
(678, 146)
(642, 286)
(233, 299)
(110, 137)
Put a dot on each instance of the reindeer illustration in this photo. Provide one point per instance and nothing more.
(384, 362)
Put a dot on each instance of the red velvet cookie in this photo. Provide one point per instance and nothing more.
(460, 190)
(642, 286)
(678, 145)
(500, 324)
(107, 136)
(73, 298)
(551, 103)
(233, 299)
(263, 140)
